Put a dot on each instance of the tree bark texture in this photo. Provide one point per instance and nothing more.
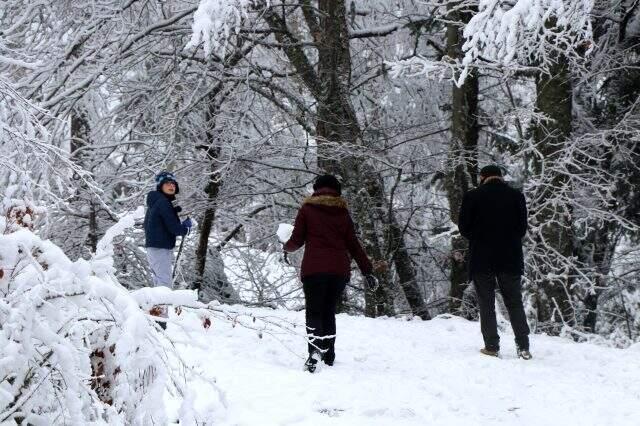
(212, 190)
(337, 126)
(462, 170)
(597, 253)
(80, 133)
(553, 99)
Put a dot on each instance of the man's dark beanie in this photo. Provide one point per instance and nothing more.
(327, 181)
(491, 170)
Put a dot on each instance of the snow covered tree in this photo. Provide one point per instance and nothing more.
(248, 100)
(333, 121)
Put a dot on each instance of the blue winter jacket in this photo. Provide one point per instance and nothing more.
(161, 222)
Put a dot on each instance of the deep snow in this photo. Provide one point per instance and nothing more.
(399, 372)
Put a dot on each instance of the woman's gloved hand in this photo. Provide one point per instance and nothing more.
(371, 282)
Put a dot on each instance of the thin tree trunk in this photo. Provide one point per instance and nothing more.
(337, 124)
(463, 155)
(554, 99)
(80, 133)
(367, 214)
(92, 235)
(597, 252)
(214, 183)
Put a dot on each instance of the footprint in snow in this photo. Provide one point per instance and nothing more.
(331, 412)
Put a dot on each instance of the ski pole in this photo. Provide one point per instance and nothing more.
(175, 265)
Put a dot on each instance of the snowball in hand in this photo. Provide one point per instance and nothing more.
(284, 232)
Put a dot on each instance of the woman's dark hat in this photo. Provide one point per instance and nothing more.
(328, 181)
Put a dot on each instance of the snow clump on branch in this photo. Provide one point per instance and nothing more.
(215, 20)
(527, 30)
(524, 34)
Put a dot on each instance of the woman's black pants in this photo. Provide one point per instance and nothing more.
(321, 295)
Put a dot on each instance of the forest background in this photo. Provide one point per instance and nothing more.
(247, 101)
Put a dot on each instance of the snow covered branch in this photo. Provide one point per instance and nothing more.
(216, 20)
(528, 30)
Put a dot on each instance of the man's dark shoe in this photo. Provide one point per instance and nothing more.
(524, 354)
(490, 352)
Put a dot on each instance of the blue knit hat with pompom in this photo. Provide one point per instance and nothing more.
(164, 177)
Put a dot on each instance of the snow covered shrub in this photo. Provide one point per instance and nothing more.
(621, 316)
(17, 214)
(17, 211)
(75, 346)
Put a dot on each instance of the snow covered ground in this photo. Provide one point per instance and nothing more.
(399, 372)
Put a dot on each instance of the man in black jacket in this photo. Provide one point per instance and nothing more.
(493, 217)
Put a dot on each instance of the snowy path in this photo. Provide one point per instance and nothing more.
(394, 372)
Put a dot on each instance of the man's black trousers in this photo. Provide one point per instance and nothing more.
(321, 295)
(509, 285)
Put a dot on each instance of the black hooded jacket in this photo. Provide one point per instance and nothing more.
(493, 217)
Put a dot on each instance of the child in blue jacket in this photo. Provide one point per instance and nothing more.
(161, 227)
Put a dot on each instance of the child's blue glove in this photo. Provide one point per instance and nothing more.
(187, 224)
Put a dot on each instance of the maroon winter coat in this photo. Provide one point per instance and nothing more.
(324, 227)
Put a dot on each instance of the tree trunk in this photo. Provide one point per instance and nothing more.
(379, 302)
(596, 252)
(337, 125)
(554, 100)
(463, 155)
(80, 134)
(220, 287)
(92, 235)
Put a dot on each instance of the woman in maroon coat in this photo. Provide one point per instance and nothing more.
(324, 227)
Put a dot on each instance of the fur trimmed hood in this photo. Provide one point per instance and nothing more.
(326, 200)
